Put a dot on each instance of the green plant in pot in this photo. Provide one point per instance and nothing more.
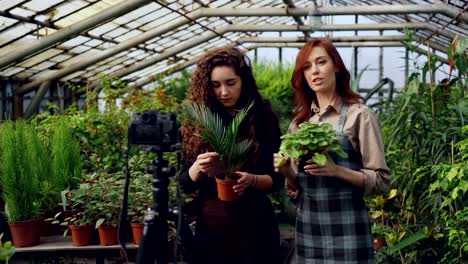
(81, 221)
(311, 141)
(140, 198)
(106, 201)
(20, 169)
(224, 140)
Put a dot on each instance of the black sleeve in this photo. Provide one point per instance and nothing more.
(269, 138)
(186, 183)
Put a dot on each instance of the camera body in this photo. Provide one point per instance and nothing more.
(154, 128)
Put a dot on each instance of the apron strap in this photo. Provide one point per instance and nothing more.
(343, 111)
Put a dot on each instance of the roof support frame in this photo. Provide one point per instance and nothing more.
(205, 12)
(230, 28)
(286, 43)
(73, 30)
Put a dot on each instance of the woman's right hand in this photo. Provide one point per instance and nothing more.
(208, 163)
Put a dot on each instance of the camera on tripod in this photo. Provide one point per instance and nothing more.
(154, 128)
(161, 132)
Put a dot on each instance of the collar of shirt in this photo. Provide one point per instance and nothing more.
(334, 105)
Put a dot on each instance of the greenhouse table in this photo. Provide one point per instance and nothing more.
(62, 246)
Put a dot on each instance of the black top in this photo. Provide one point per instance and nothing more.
(243, 231)
(267, 142)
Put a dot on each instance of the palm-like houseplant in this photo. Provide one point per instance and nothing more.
(223, 139)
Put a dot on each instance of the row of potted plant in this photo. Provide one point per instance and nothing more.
(34, 173)
(96, 204)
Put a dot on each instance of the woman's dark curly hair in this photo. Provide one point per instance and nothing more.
(201, 92)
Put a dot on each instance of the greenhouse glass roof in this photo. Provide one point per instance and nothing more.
(76, 40)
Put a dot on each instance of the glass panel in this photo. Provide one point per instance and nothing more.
(40, 57)
(40, 5)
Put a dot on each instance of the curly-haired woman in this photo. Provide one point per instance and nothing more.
(244, 231)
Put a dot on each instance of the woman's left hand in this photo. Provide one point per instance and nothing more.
(329, 169)
(246, 180)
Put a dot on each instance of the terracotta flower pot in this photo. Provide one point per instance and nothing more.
(225, 190)
(26, 233)
(378, 242)
(137, 231)
(81, 235)
(107, 235)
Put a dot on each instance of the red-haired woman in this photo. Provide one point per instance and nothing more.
(332, 224)
(244, 231)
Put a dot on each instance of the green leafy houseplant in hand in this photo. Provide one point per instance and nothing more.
(315, 140)
(232, 152)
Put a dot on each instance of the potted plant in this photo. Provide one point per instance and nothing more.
(139, 200)
(106, 200)
(21, 163)
(311, 141)
(224, 140)
(64, 169)
(81, 221)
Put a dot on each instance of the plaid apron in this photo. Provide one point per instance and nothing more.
(332, 224)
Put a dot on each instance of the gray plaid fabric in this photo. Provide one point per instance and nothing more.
(332, 224)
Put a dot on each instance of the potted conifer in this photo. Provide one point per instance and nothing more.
(21, 163)
(224, 140)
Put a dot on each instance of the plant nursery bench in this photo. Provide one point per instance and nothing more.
(59, 246)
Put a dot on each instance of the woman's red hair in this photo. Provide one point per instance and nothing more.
(303, 94)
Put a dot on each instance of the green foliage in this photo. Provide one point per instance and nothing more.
(106, 197)
(22, 166)
(274, 83)
(175, 86)
(316, 140)
(222, 139)
(355, 82)
(425, 148)
(7, 250)
(66, 159)
(139, 196)
(82, 214)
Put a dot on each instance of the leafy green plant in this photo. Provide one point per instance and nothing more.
(7, 250)
(223, 140)
(21, 167)
(106, 197)
(66, 159)
(140, 196)
(313, 139)
(422, 131)
(81, 213)
(274, 83)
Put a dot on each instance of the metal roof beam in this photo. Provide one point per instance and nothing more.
(299, 21)
(73, 30)
(210, 12)
(341, 10)
(236, 28)
(280, 44)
